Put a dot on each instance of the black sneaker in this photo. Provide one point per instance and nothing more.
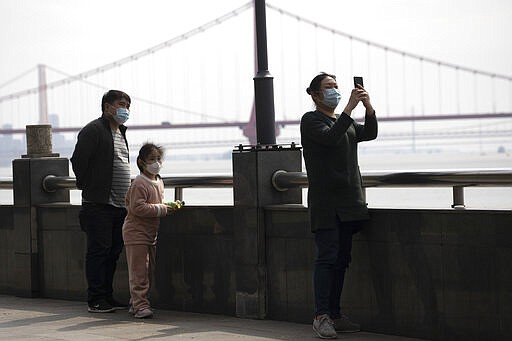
(116, 304)
(100, 307)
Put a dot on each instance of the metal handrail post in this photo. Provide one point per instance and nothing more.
(178, 193)
(458, 197)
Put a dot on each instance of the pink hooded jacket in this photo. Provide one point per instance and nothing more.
(144, 203)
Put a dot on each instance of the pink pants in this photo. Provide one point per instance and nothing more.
(141, 263)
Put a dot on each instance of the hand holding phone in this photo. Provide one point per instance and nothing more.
(358, 81)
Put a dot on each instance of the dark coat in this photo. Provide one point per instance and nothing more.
(330, 154)
(93, 159)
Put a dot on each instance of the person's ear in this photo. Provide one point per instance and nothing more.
(105, 108)
(317, 96)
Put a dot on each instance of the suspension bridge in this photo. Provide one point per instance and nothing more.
(196, 89)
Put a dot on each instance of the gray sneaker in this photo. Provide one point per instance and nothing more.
(344, 325)
(144, 313)
(324, 327)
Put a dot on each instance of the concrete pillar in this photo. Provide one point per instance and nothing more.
(28, 173)
(39, 141)
(252, 188)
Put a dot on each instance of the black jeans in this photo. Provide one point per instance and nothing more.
(103, 226)
(334, 249)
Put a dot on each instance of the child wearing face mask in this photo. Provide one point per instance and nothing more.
(144, 203)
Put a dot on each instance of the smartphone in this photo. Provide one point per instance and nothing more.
(358, 80)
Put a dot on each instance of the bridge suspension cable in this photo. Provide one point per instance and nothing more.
(425, 73)
(138, 55)
(23, 74)
(388, 48)
(144, 100)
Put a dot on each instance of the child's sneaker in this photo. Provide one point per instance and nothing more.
(143, 313)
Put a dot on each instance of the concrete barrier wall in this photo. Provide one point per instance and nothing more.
(194, 259)
(435, 274)
(62, 246)
(7, 268)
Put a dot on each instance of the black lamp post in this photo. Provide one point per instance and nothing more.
(263, 81)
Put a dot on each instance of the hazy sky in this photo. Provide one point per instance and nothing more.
(77, 35)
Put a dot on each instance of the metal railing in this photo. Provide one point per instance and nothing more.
(206, 181)
(283, 180)
(51, 183)
(5, 183)
(457, 179)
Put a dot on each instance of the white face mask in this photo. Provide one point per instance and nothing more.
(154, 168)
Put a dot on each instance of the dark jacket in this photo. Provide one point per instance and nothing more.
(330, 154)
(93, 159)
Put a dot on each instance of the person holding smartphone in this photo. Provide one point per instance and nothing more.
(336, 199)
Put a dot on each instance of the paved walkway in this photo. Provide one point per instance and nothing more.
(46, 319)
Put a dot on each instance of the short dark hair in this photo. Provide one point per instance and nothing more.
(146, 150)
(113, 95)
(314, 86)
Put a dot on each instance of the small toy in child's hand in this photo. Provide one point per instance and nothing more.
(175, 204)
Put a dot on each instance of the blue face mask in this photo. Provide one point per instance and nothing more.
(122, 115)
(331, 97)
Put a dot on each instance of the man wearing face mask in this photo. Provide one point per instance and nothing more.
(336, 198)
(101, 165)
